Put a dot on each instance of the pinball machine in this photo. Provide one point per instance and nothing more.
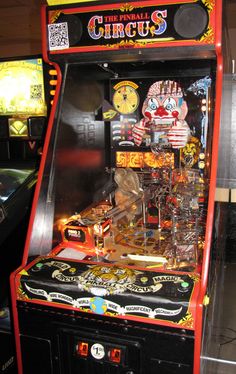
(116, 262)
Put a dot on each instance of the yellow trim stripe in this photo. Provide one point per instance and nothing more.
(63, 2)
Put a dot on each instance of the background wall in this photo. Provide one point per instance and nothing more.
(20, 29)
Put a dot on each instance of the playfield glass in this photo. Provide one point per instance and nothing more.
(11, 180)
(130, 186)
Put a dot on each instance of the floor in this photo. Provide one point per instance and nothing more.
(221, 359)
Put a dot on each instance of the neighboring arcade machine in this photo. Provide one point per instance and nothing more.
(24, 99)
(115, 268)
(23, 120)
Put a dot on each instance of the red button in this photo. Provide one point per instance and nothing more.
(115, 355)
(82, 349)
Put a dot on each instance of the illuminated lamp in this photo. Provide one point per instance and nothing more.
(52, 72)
(18, 127)
(115, 355)
(53, 82)
(82, 349)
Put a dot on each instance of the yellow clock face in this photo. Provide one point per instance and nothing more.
(125, 99)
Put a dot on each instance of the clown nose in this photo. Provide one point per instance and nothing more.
(161, 112)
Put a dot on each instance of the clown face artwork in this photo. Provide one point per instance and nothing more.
(164, 111)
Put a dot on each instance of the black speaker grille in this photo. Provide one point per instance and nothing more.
(190, 21)
(75, 28)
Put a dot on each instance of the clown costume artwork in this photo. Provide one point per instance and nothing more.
(164, 111)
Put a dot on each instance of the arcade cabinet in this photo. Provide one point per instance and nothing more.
(114, 277)
(23, 120)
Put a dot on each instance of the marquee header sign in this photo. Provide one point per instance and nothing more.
(133, 25)
(127, 26)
